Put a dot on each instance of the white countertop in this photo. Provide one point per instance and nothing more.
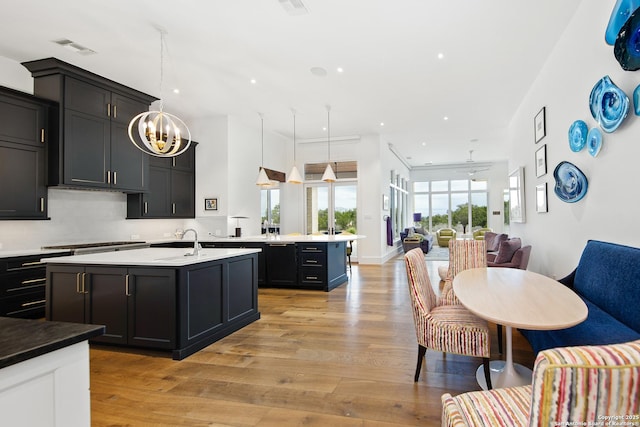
(157, 257)
(284, 238)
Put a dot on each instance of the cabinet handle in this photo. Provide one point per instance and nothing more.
(84, 289)
(42, 135)
(311, 261)
(41, 204)
(126, 286)
(108, 177)
(29, 282)
(173, 208)
(108, 110)
(277, 244)
(115, 178)
(115, 111)
(78, 291)
(146, 207)
(27, 304)
(29, 264)
(312, 277)
(173, 159)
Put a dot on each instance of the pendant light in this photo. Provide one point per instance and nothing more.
(328, 175)
(158, 133)
(294, 175)
(263, 179)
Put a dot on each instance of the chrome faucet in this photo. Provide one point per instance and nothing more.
(196, 245)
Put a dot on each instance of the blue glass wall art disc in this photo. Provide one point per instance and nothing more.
(609, 104)
(619, 15)
(571, 183)
(627, 46)
(578, 135)
(636, 100)
(594, 141)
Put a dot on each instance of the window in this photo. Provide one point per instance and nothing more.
(451, 204)
(270, 206)
(398, 202)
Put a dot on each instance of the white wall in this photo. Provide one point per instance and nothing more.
(610, 209)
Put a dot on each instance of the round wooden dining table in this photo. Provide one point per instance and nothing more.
(516, 299)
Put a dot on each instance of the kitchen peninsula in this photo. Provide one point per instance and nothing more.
(290, 261)
(158, 298)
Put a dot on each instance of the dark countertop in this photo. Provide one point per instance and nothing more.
(24, 339)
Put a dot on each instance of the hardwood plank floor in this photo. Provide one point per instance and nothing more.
(343, 358)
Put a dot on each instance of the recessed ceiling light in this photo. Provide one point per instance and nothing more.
(446, 118)
(176, 90)
(253, 81)
(324, 128)
(440, 55)
(381, 123)
(424, 144)
(340, 69)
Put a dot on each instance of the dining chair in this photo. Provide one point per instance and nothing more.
(446, 328)
(463, 254)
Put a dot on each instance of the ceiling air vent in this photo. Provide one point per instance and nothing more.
(71, 45)
(294, 7)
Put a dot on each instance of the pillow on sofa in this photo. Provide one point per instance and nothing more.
(507, 249)
(421, 230)
(493, 240)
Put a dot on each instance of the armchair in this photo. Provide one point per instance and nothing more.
(519, 260)
(444, 235)
(479, 233)
(585, 385)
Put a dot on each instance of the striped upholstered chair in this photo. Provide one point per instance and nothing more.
(463, 254)
(587, 385)
(445, 328)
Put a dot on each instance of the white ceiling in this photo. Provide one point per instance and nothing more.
(493, 50)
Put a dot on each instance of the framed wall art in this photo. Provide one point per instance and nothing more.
(541, 161)
(210, 204)
(539, 125)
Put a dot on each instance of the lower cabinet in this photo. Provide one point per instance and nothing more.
(22, 286)
(126, 300)
(281, 261)
(182, 309)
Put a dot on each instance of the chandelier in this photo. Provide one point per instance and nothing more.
(158, 133)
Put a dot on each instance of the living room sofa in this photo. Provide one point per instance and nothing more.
(607, 279)
(427, 239)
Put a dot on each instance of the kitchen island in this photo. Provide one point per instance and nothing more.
(158, 298)
(44, 373)
(290, 261)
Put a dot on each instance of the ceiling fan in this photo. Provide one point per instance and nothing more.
(471, 171)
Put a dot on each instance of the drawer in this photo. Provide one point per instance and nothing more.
(24, 281)
(312, 258)
(312, 247)
(30, 305)
(312, 275)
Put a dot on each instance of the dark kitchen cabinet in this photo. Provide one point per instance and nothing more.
(22, 285)
(281, 261)
(322, 265)
(171, 191)
(25, 133)
(125, 300)
(93, 149)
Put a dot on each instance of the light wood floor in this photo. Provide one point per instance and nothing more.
(343, 358)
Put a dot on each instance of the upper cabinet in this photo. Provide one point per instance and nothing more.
(93, 149)
(171, 188)
(25, 133)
